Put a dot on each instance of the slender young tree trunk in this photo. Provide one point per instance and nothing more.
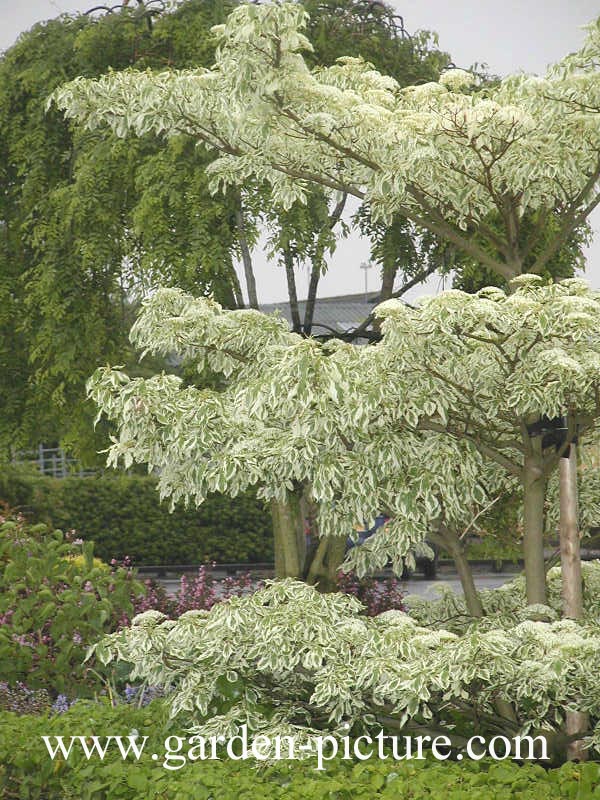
(451, 542)
(326, 554)
(288, 260)
(388, 276)
(570, 556)
(325, 563)
(454, 546)
(315, 274)
(237, 289)
(320, 566)
(246, 257)
(572, 586)
(534, 491)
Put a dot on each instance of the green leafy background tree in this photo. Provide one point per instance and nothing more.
(92, 223)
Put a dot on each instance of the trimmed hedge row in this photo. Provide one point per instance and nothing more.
(27, 772)
(123, 516)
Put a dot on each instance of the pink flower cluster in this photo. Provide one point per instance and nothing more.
(376, 595)
(201, 591)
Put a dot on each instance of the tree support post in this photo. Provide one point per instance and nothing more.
(534, 490)
(572, 586)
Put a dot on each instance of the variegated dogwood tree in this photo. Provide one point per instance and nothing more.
(517, 375)
(468, 165)
(290, 661)
(426, 424)
(505, 174)
(306, 423)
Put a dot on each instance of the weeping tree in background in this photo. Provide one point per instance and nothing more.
(90, 222)
(505, 174)
(83, 219)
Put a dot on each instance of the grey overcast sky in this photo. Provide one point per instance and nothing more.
(508, 36)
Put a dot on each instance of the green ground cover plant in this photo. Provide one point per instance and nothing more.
(28, 773)
(286, 657)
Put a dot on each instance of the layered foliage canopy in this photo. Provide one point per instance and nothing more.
(470, 166)
(425, 425)
(294, 412)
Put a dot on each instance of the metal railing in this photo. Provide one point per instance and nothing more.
(52, 461)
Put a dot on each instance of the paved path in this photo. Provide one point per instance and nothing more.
(429, 588)
(420, 586)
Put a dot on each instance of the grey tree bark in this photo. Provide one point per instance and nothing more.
(450, 541)
(246, 257)
(320, 565)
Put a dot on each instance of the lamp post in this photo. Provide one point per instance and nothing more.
(366, 265)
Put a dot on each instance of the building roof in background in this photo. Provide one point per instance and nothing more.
(339, 314)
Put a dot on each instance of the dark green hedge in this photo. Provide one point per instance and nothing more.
(27, 772)
(123, 516)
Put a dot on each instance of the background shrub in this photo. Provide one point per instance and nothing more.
(124, 517)
(52, 607)
(203, 590)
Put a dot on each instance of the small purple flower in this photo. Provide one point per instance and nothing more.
(130, 693)
(149, 693)
(61, 704)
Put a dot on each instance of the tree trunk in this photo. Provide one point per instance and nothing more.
(288, 260)
(572, 587)
(325, 563)
(320, 566)
(326, 554)
(534, 493)
(388, 276)
(246, 257)
(450, 542)
(289, 538)
(570, 557)
(454, 546)
(237, 290)
(315, 274)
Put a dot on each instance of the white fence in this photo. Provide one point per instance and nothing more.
(52, 461)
